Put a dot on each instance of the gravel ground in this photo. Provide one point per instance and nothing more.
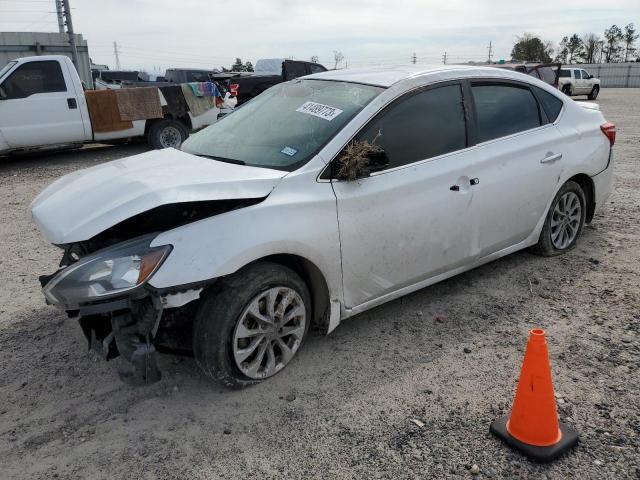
(448, 356)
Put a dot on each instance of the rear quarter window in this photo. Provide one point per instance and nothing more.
(503, 110)
(551, 104)
(565, 73)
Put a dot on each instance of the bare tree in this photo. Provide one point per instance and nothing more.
(338, 57)
(591, 44)
(315, 59)
(629, 38)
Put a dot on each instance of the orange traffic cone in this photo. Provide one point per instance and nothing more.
(533, 427)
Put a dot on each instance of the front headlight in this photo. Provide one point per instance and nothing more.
(107, 272)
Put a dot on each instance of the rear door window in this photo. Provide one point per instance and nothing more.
(503, 110)
(577, 74)
(564, 73)
(34, 77)
(420, 126)
(294, 70)
(317, 68)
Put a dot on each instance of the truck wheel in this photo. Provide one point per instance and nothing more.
(167, 133)
(251, 324)
(566, 89)
(594, 93)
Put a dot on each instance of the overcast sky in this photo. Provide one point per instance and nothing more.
(155, 34)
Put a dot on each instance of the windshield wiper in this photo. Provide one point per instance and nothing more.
(221, 159)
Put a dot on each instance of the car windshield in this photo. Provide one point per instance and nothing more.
(285, 126)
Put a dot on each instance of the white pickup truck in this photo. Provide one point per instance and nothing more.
(577, 81)
(43, 105)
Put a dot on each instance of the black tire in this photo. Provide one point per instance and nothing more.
(220, 310)
(163, 131)
(594, 93)
(566, 89)
(545, 246)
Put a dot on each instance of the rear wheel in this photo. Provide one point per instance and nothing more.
(564, 221)
(167, 133)
(594, 93)
(566, 89)
(252, 325)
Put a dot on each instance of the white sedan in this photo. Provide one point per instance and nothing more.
(319, 199)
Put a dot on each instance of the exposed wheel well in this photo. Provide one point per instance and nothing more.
(315, 282)
(186, 121)
(589, 192)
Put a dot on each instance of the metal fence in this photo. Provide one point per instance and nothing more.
(626, 75)
(27, 44)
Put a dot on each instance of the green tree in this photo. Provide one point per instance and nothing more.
(238, 66)
(248, 67)
(629, 39)
(563, 51)
(575, 48)
(530, 48)
(612, 49)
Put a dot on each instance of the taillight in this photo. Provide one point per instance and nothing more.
(609, 129)
(233, 88)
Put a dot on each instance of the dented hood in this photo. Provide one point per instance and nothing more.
(82, 204)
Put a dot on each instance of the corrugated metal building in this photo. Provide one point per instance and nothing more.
(614, 74)
(26, 44)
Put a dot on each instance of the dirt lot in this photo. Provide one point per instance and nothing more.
(343, 409)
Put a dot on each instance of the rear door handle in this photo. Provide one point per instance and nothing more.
(472, 182)
(551, 157)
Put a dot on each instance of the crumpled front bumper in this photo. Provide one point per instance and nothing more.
(121, 326)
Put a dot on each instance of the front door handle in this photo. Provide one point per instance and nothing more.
(551, 157)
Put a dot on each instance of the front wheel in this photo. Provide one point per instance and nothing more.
(564, 222)
(251, 325)
(594, 93)
(167, 133)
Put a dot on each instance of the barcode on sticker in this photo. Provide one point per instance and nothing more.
(319, 110)
(289, 151)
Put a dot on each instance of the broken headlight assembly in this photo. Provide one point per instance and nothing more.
(108, 272)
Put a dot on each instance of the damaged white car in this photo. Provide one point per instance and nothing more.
(319, 199)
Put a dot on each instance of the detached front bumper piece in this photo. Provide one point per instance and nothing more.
(128, 332)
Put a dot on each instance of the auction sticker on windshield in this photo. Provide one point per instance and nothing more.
(319, 110)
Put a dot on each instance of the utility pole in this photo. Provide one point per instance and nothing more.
(444, 58)
(116, 52)
(490, 47)
(60, 15)
(66, 10)
(414, 58)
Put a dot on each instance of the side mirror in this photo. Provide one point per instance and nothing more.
(359, 159)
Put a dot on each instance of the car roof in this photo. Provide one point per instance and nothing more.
(387, 76)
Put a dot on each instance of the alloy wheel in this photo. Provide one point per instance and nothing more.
(170, 137)
(269, 332)
(565, 221)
